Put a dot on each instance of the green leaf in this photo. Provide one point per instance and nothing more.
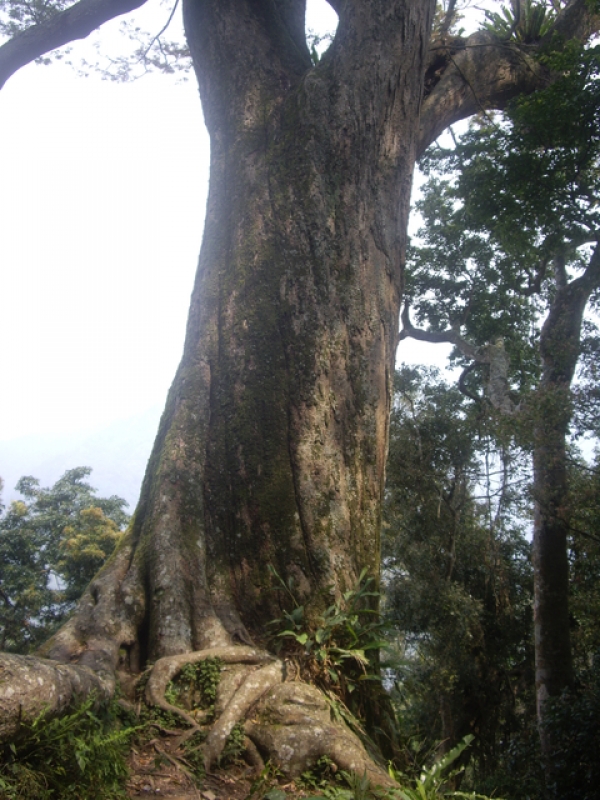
(275, 794)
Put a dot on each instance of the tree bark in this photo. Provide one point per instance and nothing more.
(273, 444)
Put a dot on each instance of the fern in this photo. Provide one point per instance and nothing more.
(78, 756)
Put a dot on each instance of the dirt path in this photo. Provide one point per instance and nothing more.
(155, 773)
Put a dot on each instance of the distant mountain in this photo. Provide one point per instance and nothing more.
(117, 453)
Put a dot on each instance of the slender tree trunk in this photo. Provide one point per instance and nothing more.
(559, 348)
(553, 662)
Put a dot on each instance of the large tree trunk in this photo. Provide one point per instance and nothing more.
(273, 444)
(271, 451)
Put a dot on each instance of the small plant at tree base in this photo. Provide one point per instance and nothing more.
(433, 781)
(194, 758)
(263, 786)
(74, 757)
(207, 676)
(335, 654)
(196, 685)
(320, 776)
(234, 746)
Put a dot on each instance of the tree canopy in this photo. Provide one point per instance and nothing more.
(52, 543)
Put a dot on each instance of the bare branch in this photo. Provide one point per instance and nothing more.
(494, 355)
(448, 18)
(161, 31)
(75, 22)
(438, 337)
(462, 382)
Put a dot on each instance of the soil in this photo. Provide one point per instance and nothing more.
(156, 771)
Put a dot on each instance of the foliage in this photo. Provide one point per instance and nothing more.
(51, 545)
(584, 557)
(79, 756)
(511, 219)
(457, 575)
(319, 777)
(85, 546)
(575, 717)
(334, 653)
(524, 21)
(196, 685)
(436, 781)
(509, 215)
(433, 783)
(262, 786)
(17, 15)
(234, 745)
(140, 52)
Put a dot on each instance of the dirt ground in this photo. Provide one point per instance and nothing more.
(156, 771)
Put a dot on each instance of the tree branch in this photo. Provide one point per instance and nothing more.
(534, 283)
(448, 18)
(483, 72)
(494, 355)
(462, 382)
(75, 22)
(435, 337)
(576, 21)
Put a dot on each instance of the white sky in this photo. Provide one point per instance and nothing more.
(102, 195)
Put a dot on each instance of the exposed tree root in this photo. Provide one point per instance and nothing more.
(30, 686)
(289, 723)
(292, 723)
(256, 684)
(167, 668)
(286, 722)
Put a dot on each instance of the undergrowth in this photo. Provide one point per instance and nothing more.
(78, 756)
(195, 687)
(327, 783)
(335, 653)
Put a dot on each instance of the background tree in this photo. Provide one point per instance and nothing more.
(272, 447)
(513, 243)
(51, 546)
(457, 575)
